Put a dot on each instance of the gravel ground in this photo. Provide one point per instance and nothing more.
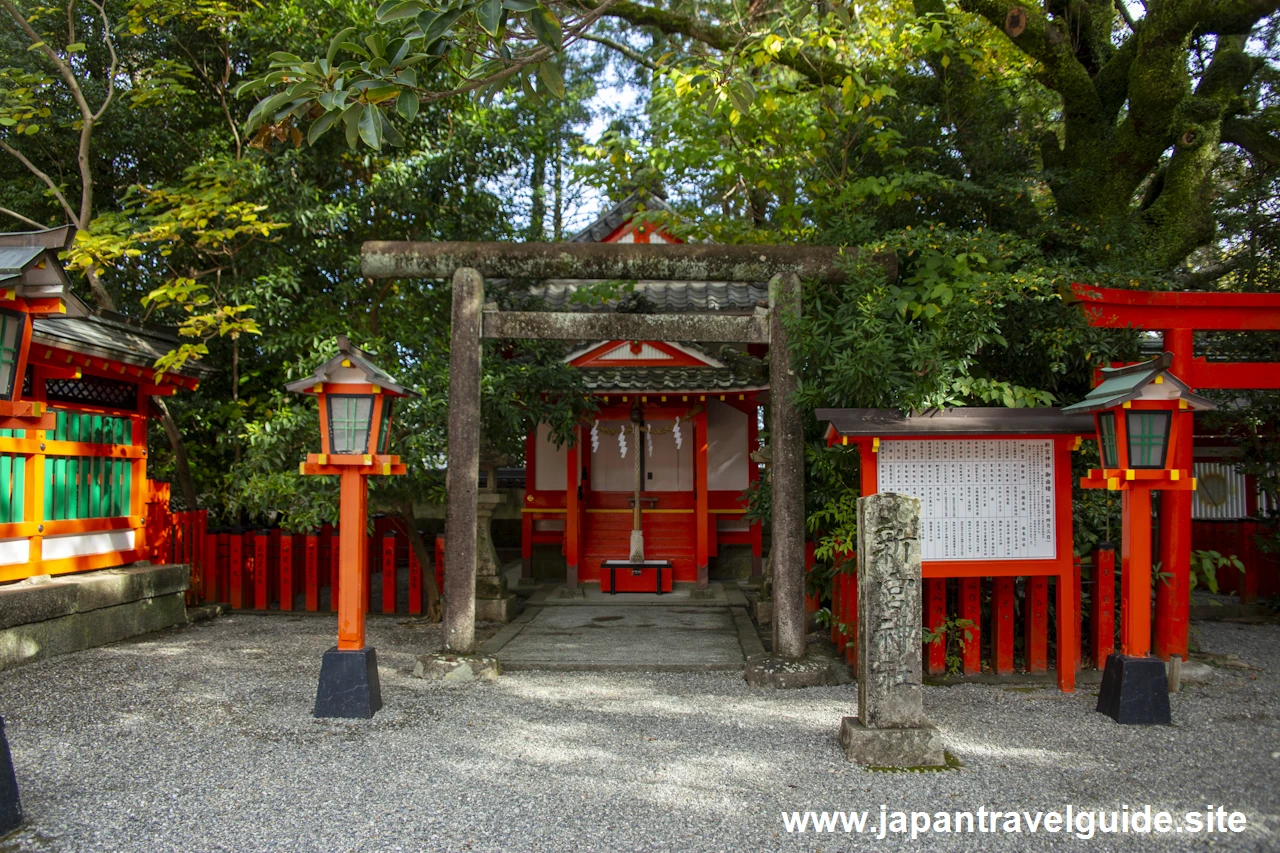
(201, 739)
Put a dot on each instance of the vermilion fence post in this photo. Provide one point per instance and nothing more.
(260, 540)
(415, 583)
(1102, 605)
(335, 561)
(235, 563)
(1002, 623)
(313, 572)
(210, 569)
(389, 571)
(971, 609)
(1036, 636)
(935, 614)
(286, 571)
(1076, 591)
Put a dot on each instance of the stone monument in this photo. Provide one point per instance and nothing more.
(890, 729)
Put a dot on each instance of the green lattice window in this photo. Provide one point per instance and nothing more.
(350, 416)
(11, 326)
(88, 486)
(1148, 438)
(384, 425)
(1107, 436)
(13, 477)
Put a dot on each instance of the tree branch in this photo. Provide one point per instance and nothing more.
(35, 170)
(1128, 18)
(619, 47)
(1211, 273)
(20, 217)
(1253, 138)
(63, 68)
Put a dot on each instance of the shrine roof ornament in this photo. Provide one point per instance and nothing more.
(977, 420)
(351, 366)
(1149, 380)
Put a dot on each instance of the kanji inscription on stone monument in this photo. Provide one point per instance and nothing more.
(891, 728)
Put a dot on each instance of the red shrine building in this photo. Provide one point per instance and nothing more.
(699, 416)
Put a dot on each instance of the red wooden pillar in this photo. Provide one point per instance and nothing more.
(935, 615)
(702, 507)
(415, 583)
(1079, 611)
(274, 569)
(1173, 594)
(286, 571)
(335, 560)
(259, 569)
(235, 561)
(389, 572)
(572, 516)
(1135, 573)
(209, 570)
(353, 560)
(971, 609)
(1036, 632)
(1102, 605)
(1002, 601)
(313, 572)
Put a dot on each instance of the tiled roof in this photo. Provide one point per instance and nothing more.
(112, 336)
(663, 296)
(618, 214)
(668, 379)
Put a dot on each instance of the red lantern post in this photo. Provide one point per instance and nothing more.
(356, 400)
(1138, 412)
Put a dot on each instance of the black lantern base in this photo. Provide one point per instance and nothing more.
(10, 805)
(349, 685)
(1135, 691)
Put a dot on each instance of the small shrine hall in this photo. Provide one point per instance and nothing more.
(677, 426)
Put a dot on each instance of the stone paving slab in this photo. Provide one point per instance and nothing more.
(614, 637)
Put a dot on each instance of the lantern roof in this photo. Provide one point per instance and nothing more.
(351, 366)
(29, 266)
(1148, 380)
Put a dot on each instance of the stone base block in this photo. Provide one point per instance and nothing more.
(491, 587)
(457, 668)
(349, 685)
(916, 747)
(10, 805)
(782, 673)
(764, 611)
(569, 593)
(70, 613)
(496, 609)
(1135, 691)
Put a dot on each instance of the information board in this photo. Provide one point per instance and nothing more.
(979, 499)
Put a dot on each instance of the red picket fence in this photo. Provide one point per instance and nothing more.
(1000, 617)
(270, 569)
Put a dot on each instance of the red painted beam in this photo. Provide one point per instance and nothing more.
(1233, 374)
(1141, 309)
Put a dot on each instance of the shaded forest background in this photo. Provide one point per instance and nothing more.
(224, 160)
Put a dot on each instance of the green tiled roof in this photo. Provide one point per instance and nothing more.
(667, 379)
(1122, 384)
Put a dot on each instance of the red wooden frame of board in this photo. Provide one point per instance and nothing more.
(1060, 566)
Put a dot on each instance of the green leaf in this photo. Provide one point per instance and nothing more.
(282, 56)
(351, 118)
(389, 131)
(320, 125)
(371, 127)
(394, 10)
(489, 15)
(76, 47)
(551, 78)
(439, 24)
(335, 44)
(546, 26)
(520, 5)
(407, 105)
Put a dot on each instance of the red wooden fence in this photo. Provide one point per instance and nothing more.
(271, 569)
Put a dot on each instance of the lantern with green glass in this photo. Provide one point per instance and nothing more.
(1141, 413)
(356, 400)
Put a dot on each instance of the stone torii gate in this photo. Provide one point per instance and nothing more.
(468, 264)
